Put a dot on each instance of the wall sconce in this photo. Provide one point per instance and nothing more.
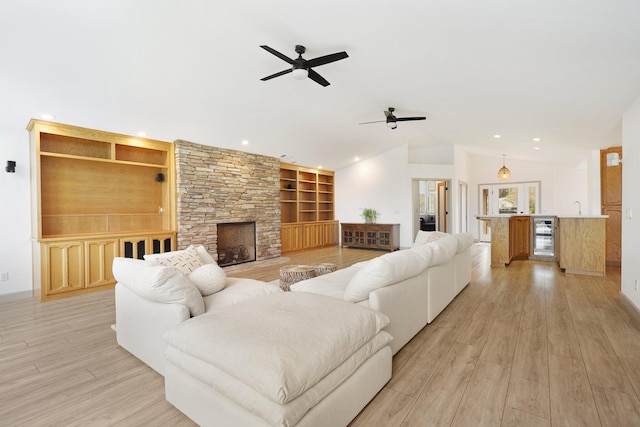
(504, 173)
(613, 159)
(11, 166)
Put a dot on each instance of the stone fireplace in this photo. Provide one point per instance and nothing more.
(236, 243)
(221, 186)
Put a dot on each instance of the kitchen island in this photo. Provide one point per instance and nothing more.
(580, 241)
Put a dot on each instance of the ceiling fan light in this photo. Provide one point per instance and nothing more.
(392, 125)
(300, 73)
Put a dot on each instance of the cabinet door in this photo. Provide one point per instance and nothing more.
(613, 233)
(291, 237)
(520, 233)
(331, 233)
(62, 267)
(99, 255)
(610, 178)
(312, 235)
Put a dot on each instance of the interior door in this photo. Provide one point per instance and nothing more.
(462, 203)
(484, 234)
(442, 206)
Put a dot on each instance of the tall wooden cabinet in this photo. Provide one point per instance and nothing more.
(96, 196)
(611, 200)
(307, 208)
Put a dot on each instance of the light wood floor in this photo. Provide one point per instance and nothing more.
(525, 345)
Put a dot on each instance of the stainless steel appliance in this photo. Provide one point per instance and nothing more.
(543, 237)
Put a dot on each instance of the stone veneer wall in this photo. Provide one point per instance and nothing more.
(217, 185)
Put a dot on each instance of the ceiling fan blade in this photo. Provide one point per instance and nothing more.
(321, 60)
(281, 73)
(317, 78)
(408, 119)
(278, 54)
(377, 121)
(388, 113)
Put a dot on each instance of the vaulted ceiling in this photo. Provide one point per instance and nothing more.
(561, 71)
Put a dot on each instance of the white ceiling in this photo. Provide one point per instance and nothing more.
(562, 70)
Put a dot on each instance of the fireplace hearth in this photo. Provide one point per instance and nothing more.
(236, 243)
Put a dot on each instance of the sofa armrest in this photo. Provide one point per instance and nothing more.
(141, 323)
(405, 303)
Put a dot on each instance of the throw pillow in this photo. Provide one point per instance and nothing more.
(209, 279)
(428, 236)
(184, 261)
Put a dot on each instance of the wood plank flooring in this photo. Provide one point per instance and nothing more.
(522, 346)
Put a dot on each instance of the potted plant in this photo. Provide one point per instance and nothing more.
(370, 215)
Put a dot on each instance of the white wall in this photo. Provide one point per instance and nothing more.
(381, 183)
(15, 223)
(631, 203)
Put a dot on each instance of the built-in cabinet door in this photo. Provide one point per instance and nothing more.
(331, 233)
(63, 269)
(291, 236)
(613, 233)
(312, 235)
(99, 255)
(520, 236)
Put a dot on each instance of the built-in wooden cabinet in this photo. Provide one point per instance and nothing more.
(519, 237)
(371, 236)
(307, 208)
(96, 196)
(611, 199)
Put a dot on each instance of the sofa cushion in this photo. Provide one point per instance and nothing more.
(383, 271)
(158, 283)
(428, 236)
(209, 278)
(236, 291)
(202, 252)
(465, 240)
(443, 249)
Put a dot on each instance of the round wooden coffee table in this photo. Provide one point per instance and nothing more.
(290, 274)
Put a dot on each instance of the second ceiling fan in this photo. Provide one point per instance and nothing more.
(392, 120)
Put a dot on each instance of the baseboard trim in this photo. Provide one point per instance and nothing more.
(16, 296)
(631, 304)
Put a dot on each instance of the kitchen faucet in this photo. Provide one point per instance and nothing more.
(579, 207)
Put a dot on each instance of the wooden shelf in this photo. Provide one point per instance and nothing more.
(91, 190)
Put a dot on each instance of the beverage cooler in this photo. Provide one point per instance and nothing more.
(543, 237)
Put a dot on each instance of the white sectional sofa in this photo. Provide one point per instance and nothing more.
(410, 286)
(152, 298)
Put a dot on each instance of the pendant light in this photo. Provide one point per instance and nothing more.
(504, 173)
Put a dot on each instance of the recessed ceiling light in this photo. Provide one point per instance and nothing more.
(357, 159)
(245, 142)
(142, 134)
(320, 167)
(496, 136)
(536, 148)
(47, 117)
(536, 139)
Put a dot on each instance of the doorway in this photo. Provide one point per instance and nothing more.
(431, 205)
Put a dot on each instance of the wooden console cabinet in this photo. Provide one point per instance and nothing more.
(371, 236)
(96, 196)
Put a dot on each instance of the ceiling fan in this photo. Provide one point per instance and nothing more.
(392, 120)
(302, 68)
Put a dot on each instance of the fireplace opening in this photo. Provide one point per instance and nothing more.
(236, 243)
